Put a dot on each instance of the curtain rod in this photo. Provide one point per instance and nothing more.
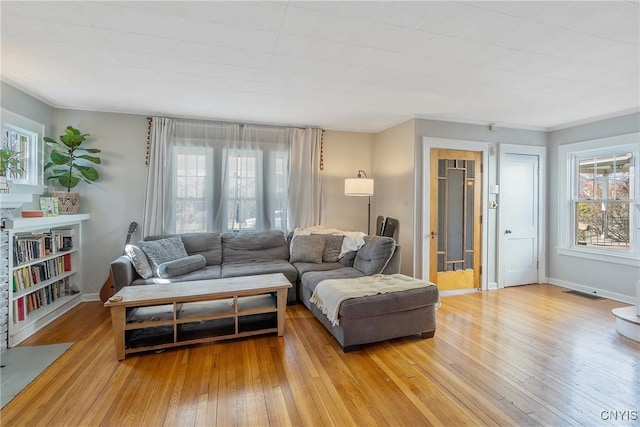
(239, 123)
(150, 121)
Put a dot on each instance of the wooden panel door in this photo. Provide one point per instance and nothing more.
(456, 191)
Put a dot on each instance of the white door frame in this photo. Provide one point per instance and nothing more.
(541, 153)
(454, 144)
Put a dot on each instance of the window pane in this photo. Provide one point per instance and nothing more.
(605, 177)
(603, 224)
(23, 142)
(241, 195)
(190, 181)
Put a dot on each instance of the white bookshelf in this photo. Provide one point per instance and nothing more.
(56, 291)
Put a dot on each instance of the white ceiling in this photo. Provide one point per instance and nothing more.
(340, 65)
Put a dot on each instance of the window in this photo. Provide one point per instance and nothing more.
(191, 190)
(23, 135)
(597, 201)
(603, 201)
(221, 189)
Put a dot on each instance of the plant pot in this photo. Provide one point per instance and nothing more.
(68, 203)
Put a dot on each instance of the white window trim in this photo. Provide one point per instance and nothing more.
(15, 120)
(566, 226)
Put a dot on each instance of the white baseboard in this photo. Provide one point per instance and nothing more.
(587, 289)
(90, 297)
(492, 286)
(455, 292)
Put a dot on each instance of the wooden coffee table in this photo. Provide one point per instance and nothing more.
(151, 317)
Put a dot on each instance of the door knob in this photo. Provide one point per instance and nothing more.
(507, 231)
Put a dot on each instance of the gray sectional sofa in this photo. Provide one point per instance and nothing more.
(305, 261)
(264, 252)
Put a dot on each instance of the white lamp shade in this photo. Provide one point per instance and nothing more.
(358, 187)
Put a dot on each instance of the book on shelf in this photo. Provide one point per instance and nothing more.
(30, 246)
(27, 304)
(18, 310)
(67, 237)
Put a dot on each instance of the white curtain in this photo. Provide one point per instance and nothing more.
(304, 180)
(209, 176)
(162, 130)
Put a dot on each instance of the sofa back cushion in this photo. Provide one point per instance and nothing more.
(374, 255)
(209, 245)
(254, 246)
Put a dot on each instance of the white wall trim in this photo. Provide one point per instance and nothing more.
(454, 144)
(541, 153)
(588, 289)
(593, 119)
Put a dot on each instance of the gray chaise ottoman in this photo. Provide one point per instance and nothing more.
(379, 317)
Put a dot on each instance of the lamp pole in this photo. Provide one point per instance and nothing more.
(369, 217)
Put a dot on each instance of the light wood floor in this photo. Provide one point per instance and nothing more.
(530, 355)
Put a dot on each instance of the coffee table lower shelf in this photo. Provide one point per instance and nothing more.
(243, 307)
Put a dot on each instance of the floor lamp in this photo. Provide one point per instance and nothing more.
(360, 186)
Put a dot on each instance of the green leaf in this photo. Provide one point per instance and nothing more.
(92, 150)
(93, 159)
(60, 159)
(89, 173)
(69, 181)
(72, 137)
(55, 145)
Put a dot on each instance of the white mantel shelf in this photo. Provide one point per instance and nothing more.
(44, 222)
(14, 200)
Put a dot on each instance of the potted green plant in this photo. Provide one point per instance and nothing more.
(10, 166)
(70, 163)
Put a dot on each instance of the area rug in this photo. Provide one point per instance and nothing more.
(21, 365)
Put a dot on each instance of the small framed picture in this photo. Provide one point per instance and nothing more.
(49, 205)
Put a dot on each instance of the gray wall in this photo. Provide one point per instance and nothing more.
(27, 106)
(117, 198)
(611, 280)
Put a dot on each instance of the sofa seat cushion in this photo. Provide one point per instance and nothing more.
(376, 305)
(305, 267)
(208, 272)
(236, 269)
(311, 279)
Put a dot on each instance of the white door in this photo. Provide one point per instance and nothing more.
(519, 220)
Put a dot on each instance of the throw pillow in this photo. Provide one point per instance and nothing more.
(181, 266)
(139, 260)
(307, 248)
(163, 250)
(332, 246)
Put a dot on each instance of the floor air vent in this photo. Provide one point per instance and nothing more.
(584, 295)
